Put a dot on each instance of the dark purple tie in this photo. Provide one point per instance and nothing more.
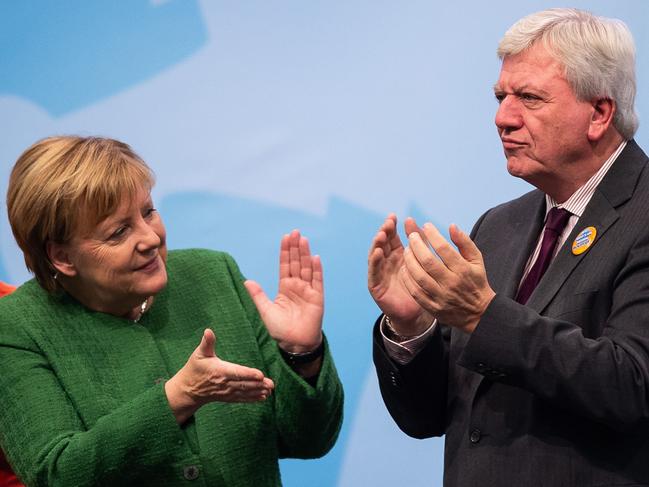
(554, 225)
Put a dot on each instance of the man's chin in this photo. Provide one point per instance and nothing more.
(516, 168)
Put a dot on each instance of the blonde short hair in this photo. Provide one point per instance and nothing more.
(597, 53)
(63, 186)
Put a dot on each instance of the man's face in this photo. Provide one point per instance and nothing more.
(542, 125)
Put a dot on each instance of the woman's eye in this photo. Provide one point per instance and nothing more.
(149, 212)
(119, 233)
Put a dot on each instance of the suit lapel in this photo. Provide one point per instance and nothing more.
(522, 232)
(518, 250)
(615, 189)
(599, 214)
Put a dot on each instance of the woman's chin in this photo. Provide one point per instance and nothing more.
(154, 284)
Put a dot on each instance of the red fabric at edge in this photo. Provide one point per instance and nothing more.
(7, 476)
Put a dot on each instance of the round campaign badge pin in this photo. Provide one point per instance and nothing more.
(584, 240)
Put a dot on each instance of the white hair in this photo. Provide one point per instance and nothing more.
(597, 53)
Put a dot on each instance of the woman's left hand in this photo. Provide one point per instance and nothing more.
(294, 318)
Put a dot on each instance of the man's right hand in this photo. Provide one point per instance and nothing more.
(385, 262)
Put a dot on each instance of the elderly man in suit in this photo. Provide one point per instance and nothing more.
(528, 346)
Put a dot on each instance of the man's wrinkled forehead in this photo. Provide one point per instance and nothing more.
(532, 68)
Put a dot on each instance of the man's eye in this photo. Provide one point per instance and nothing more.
(499, 97)
(529, 97)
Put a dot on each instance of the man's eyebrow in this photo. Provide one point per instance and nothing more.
(521, 89)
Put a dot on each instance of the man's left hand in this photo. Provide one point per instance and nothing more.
(451, 285)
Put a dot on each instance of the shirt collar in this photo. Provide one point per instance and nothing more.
(580, 198)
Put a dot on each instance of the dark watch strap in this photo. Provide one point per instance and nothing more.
(303, 358)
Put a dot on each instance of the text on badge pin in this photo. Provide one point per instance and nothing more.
(584, 240)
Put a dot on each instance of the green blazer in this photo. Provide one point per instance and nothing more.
(82, 397)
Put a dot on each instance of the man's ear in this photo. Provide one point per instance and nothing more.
(602, 118)
(59, 256)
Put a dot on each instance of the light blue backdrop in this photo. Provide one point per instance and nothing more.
(263, 116)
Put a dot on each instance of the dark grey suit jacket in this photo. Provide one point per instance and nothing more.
(554, 393)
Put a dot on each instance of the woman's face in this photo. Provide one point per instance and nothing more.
(120, 262)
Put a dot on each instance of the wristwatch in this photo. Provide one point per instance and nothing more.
(303, 358)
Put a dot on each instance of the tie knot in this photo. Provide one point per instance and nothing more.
(557, 219)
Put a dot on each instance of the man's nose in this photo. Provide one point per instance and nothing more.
(509, 116)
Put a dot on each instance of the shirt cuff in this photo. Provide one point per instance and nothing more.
(404, 352)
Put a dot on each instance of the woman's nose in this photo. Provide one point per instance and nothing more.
(149, 238)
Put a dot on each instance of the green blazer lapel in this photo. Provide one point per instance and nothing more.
(615, 189)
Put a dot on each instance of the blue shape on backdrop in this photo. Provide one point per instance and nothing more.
(4, 276)
(250, 232)
(69, 54)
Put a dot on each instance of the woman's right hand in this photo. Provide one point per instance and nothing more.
(206, 378)
(385, 262)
